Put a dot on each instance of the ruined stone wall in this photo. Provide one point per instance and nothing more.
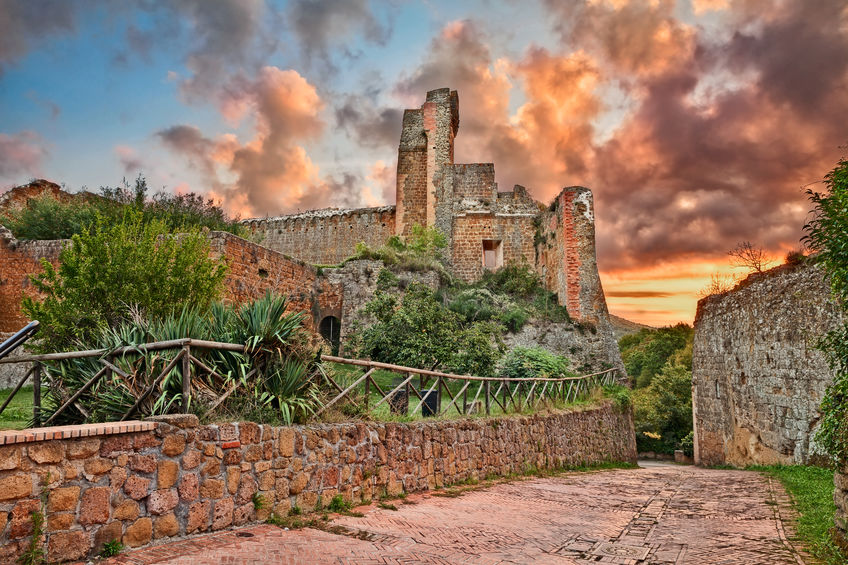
(757, 377)
(588, 348)
(18, 260)
(325, 237)
(253, 269)
(141, 482)
(471, 228)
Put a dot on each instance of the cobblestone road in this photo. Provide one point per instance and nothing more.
(659, 514)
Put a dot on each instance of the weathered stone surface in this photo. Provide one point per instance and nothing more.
(177, 420)
(94, 506)
(166, 526)
(20, 524)
(105, 534)
(189, 487)
(191, 459)
(63, 499)
(212, 488)
(60, 521)
(126, 510)
(167, 474)
(15, 486)
(222, 513)
(68, 546)
(173, 444)
(198, 516)
(162, 501)
(136, 487)
(242, 514)
(286, 442)
(139, 533)
(46, 452)
(143, 463)
(98, 466)
(82, 448)
(10, 457)
(757, 378)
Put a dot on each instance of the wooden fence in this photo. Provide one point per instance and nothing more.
(465, 394)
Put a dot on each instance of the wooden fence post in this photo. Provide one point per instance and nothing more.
(488, 395)
(186, 377)
(36, 395)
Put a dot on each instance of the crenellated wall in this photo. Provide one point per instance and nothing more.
(141, 482)
(325, 237)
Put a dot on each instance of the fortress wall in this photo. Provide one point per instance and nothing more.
(757, 377)
(325, 237)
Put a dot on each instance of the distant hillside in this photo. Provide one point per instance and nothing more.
(622, 326)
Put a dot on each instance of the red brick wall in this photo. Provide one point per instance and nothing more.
(18, 260)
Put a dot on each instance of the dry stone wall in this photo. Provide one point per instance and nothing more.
(757, 376)
(144, 481)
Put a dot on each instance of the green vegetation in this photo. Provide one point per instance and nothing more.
(34, 554)
(827, 235)
(424, 249)
(18, 413)
(811, 489)
(115, 272)
(417, 330)
(47, 218)
(532, 363)
(285, 387)
(111, 548)
(660, 361)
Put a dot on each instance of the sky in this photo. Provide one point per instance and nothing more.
(698, 124)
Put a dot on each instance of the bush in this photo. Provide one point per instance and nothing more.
(663, 410)
(417, 330)
(47, 218)
(112, 272)
(827, 236)
(424, 249)
(687, 444)
(283, 354)
(647, 352)
(532, 363)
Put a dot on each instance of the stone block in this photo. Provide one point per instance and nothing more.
(222, 513)
(191, 459)
(94, 506)
(285, 442)
(173, 444)
(243, 514)
(82, 448)
(298, 483)
(10, 457)
(60, 521)
(162, 501)
(98, 466)
(68, 546)
(63, 499)
(108, 533)
(167, 474)
(233, 479)
(46, 452)
(20, 524)
(197, 519)
(166, 526)
(212, 488)
(189, 487)
(127, 509)
(184, 421)
(139, 532)
(143, 463)
(136, 487)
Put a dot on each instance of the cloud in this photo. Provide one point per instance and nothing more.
(272, 172)
(638, 294)
(129, 159)
(369, 125)
(320, 25)
(24, 23)
(21, 155)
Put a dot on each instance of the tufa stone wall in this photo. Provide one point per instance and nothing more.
(325, 237)
(757, 377)
(139, 482)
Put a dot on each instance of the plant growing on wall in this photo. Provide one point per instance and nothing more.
(827, 236)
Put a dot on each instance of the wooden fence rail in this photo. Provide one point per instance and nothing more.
(367, 391)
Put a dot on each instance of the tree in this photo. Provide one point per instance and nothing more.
(827, 236)
(114, 271)
(748, 256)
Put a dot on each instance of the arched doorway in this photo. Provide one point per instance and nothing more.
(329, 330)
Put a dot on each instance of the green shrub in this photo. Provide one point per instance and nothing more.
(663, 410)
(532, 363)
(512, 279)
(279, 350)
(417, 330)
(424, 249)
(112, 272)
(646, 353)
(47, 218)
(687, 444)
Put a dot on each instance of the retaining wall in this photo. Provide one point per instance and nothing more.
(142, 481)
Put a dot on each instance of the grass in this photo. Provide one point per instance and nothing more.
(18, 413)
(811, 489)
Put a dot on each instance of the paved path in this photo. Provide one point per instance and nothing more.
(658, 514)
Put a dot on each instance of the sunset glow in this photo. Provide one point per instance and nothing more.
(697, 123)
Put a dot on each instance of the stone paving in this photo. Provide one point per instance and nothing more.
(658, 514)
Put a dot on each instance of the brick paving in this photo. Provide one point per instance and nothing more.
(659, 514)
